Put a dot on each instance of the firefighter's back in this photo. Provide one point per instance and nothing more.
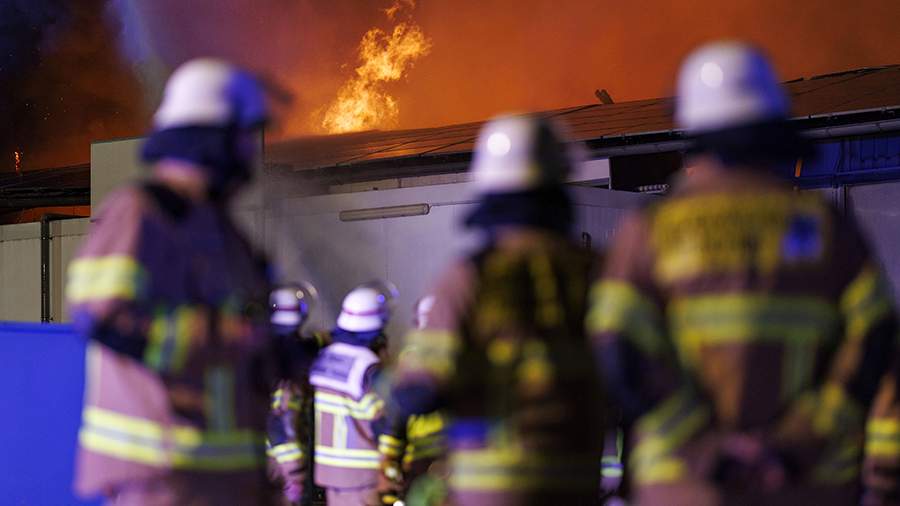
(525, 405)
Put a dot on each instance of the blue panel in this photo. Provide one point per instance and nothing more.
(42, 379)
(852, 161)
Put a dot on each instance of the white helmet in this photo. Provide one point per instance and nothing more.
(211, 92)
(517, 153)
(725, 85)
(422, 310)
(365, 309)
(292, 304)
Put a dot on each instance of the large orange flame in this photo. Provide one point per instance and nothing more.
(362, 102)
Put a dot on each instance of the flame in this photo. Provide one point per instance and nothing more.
(362, 103)
(18, 157)
(392, 11)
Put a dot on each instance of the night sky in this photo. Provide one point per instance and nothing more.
(73, 71)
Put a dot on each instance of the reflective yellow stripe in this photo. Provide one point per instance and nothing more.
(293, 404)
(286, 452)
(94, 416)
(883, 438)
(420, 452)
(419, 426)
(101, 278)
(840, 463)
(666, 429)
(730, 318)
(497, 470)
(611, 467)
(664, 470)
(367, 408)
(799, 323)
(389, 445)
(883, 449)
(121, 449)
(865, 301)
(619, 307)
(835, 411)
(347, 458)
(170, 336)
(139, 440)
(431, 351)
(884, 427)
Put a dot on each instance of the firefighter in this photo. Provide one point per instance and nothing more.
(173, 300)
(420, 478)
(287, 433)
(347, 408)
(743, 326)
(504, 350)
(881, 466)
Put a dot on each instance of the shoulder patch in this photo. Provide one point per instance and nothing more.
(342, 367)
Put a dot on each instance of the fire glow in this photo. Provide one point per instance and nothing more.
(17, 155)
(362, 102)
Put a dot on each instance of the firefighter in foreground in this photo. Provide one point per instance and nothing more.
(743, 326)
(174, 302)
(504, 350)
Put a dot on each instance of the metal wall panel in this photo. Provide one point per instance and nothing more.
(309, 241)
(877, 208)
(20, 276)
(20, 268)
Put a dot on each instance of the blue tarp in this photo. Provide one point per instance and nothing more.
(41, 386)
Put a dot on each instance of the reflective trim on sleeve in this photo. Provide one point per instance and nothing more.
(611, 467)
(104, 278)
(883, 438)
(865, 301)
(283, 401)
(430, 351)
(663, 432)
(286, 452)
(619, 307)
(390, 446)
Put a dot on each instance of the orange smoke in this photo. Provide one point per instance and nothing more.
(363, 103)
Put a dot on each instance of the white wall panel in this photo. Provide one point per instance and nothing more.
(20, 279)
(877, 208)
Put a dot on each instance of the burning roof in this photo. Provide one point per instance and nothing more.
(819, 101)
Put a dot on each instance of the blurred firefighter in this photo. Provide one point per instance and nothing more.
(504, 349)
(420, 479)
(881, 466)
(347, 407)
(173, 299)
(289, 423)
(743, 326)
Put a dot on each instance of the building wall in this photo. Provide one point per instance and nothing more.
(877, 208)
(20, 268)
(309, 241)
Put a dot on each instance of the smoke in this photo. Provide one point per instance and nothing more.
(63, 84)
(76, 71)
(492, 55)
